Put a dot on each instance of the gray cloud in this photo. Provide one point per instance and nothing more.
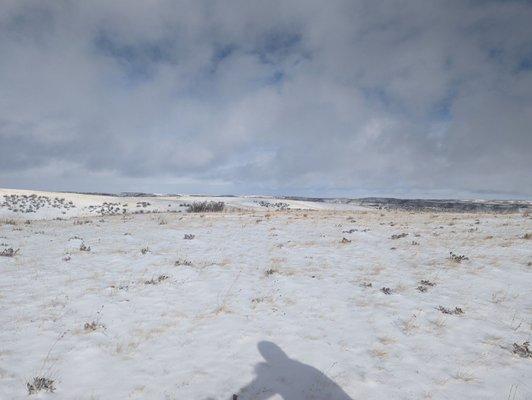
(408, 98)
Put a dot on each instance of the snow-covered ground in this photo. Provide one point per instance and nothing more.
(316, 301)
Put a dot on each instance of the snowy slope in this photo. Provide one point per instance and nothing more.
(201, 318)
(29, 204)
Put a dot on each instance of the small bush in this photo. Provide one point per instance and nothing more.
(386, 290)
(456, 311)
(424, 285)
(206, 206)
(350, 231)
(40, 383)
(399, 236)
(457, 258)
(92, 326)
(83, 247)
(427, 283)
(183, 262)
(270, 272)
(10, 252)
(522, 350)
(82, 222)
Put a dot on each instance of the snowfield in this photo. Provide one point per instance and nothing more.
(290, 301)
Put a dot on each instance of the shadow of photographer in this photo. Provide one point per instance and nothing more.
(288, 378)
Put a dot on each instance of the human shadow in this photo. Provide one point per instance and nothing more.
(289, 378)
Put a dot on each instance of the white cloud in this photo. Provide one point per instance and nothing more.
(367, 97)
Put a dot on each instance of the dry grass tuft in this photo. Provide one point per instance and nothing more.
(410, 325)
(379, 353)
(464, 376)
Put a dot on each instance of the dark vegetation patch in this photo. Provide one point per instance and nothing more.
(206, 206)
(9, 252)
(455, 311)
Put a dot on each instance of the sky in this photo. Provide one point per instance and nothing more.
(280, 97)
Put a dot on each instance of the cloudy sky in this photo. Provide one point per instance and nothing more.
(302, 97)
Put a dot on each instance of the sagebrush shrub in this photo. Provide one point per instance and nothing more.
(40, 383)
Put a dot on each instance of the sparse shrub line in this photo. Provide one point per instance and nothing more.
(159, 279)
